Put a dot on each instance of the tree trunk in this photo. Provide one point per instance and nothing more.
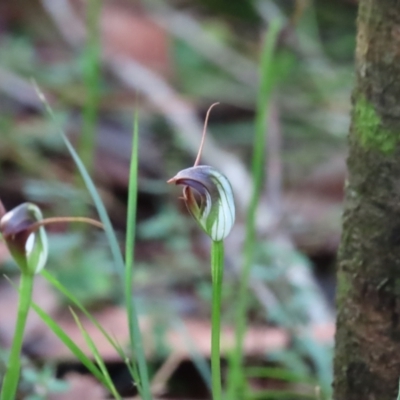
(367, 354)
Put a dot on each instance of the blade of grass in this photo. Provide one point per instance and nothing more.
(73, 348)
(136, 346)
(100, 362)
(111, 237)
(134, 329)
(114, 343)
(235, 373)
(62, 289)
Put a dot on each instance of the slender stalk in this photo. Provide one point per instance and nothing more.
(235, 375)
(11, 378)
(217, 271)
(60, 220)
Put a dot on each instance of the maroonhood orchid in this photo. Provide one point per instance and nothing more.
(23, 230)
(208, 196)
(25, 237)
(215, 209)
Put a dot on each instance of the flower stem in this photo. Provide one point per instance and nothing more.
(217, 270)
(11, 378)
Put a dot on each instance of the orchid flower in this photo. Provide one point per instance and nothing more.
(23, 231)
(28, 247)
(208, 195)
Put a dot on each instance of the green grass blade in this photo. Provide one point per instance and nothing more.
(235, 375)
(134, 329)
(115, 250)
(62, 289)
(100, 362)
(75, 350)
(111, 237)
(131, 225)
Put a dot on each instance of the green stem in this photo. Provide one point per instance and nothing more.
(217, 271)
(11, 378)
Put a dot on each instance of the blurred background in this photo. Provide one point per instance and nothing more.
(97, 62)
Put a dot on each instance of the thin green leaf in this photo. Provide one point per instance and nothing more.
(116, 252)
(111, 237)
(75, 350)
(100, 362)
(62, 289)
(134, 329)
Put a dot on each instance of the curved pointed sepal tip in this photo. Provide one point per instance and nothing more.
(214, 207)
(28, 247)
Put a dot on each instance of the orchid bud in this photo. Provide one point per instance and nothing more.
(214, 207)
(25, 237)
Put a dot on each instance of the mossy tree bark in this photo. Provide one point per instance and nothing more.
(367, 354)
